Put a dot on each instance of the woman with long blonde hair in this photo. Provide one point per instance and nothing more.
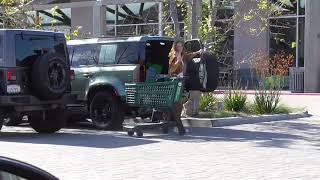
(177, 68)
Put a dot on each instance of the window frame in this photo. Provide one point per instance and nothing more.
(298, 16)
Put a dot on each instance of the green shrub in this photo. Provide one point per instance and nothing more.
(235, 101)
(266, 102)
(282, 109)
(208, 102)
(276, 81)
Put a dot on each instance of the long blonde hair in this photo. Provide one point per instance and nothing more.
(174, 49)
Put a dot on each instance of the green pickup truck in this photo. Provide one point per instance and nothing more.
(102, 67)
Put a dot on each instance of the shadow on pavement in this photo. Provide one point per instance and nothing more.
(75, 137)
(264, 139)
(302, 127)
(272, 134)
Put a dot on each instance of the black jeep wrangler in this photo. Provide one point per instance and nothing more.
(35, 78)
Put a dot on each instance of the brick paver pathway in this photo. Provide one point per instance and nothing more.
(273, 150)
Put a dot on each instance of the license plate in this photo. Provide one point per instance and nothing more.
(13, 89)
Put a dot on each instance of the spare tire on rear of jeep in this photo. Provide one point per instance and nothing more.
(50, 76)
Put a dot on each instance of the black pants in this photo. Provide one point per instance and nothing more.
(176, 117)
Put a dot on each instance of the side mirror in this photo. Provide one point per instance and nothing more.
(193, 45)
(17, 170)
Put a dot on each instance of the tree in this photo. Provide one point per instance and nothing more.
(174, 17)
(219, 18)
(196, 17)
(213, 5)
(13, 14)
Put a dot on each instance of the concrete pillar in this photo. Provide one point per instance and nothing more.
(312, 46)
(245, 44)
(92, 19)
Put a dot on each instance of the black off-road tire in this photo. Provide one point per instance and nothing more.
(106, 111)
(13, 119)
(212, 71)
(50, 76)
(48, 121)
(139, 133)
(130, 133)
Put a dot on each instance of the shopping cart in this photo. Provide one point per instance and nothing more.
(158, 96)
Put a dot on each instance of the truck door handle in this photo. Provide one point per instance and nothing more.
(87, 75)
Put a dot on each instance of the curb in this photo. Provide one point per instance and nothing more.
(232, 121)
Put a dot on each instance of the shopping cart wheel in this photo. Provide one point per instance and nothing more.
(130, 133)
(139, 133)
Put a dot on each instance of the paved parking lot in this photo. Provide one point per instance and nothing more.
(270, 150)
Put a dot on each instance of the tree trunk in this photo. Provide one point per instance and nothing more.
(174, 17)
(196, 18)
(214, 4)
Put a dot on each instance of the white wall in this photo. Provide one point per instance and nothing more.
(92, 19)
(312, 46)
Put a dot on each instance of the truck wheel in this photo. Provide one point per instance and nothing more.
(48, 121)
(106, 111)
(13, 120)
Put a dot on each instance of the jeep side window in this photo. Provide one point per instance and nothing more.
(129, 53)
(107, 53)
(83, 56)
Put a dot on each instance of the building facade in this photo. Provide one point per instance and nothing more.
(296, 30)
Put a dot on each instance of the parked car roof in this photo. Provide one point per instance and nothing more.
(31, 31)
(109, 40)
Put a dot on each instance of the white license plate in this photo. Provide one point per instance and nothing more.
(13, 89)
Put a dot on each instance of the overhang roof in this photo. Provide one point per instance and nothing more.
(48, 4)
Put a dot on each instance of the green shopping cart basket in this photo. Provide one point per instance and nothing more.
(159, 95)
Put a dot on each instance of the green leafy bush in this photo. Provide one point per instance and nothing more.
(266, 102)
(208, 102)
(277, 81)
(235, 101)
(282, 109)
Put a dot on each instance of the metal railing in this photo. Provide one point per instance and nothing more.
(296, 79)
(135, 29)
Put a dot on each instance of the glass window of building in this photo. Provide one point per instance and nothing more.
(286, 29)
(302, 5)
(132, 19)
(282, 35)
(285, 7)
(49, 20)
